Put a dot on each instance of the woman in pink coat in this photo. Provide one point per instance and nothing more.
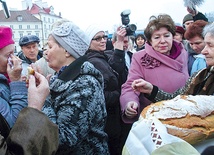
(163, 63)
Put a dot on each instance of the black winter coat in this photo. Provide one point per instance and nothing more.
(112, 95)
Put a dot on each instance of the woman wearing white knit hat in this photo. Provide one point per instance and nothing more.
(105, 64)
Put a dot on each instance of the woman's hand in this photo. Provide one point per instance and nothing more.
(14, 68)
(142, 86)
(131, 109)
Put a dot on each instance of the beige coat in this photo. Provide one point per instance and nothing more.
(33, 133)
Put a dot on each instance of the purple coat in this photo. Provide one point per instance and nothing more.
(160, 70)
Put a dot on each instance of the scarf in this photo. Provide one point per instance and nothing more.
(8, 79)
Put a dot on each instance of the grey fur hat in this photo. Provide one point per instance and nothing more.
(71, 38)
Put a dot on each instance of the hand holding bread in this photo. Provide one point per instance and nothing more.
(38, 90)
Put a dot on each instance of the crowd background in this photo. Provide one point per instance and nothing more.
(90, 78)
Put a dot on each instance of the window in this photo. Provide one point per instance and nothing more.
(21, 35)
(36, 27)
(28, 26)
(11, 26)
(37, 34)
(20, 26)
(52, 10)
(19, 18)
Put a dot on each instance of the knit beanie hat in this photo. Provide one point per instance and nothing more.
(92, 30)
(188, 17)
(180, 29)
(5, 36)
(71, 38)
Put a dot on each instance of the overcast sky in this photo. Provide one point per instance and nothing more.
(86, 12)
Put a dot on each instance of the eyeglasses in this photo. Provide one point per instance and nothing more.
(99, 38)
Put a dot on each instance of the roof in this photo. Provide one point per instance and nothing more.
(26, 16)
(35, 9)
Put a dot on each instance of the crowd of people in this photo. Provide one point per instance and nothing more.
(84, 97)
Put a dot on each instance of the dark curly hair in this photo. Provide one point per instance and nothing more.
(139, 35)
(195, 29)
(155, 23)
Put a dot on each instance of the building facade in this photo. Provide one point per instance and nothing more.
(36, 19)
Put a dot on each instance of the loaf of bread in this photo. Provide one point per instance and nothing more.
(189, 117)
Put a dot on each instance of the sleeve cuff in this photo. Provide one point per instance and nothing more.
(18, 86)
(153, 94)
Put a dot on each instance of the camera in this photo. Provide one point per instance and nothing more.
(130, 28)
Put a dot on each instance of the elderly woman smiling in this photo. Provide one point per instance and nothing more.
(163, 62)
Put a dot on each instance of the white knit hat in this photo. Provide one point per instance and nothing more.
(71, 38)
(93, 29)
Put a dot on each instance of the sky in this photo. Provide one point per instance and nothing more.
(87, 12)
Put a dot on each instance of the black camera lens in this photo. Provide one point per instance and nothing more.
(133, 27)
(130, 29)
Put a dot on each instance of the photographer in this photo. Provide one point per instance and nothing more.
(120, 58)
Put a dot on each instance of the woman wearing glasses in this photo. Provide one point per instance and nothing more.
(101, 61)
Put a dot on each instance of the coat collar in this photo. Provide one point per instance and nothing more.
(176, 64)
(73, 70)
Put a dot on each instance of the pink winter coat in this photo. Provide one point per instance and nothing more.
(160, 70)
